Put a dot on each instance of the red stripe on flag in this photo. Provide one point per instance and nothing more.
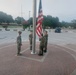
(39, 21)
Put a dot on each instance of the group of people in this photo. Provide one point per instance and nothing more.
(42, 46)
(43, 42)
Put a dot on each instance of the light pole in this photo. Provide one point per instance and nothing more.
(29, 20)
(29, 14)
(34, 28)
(21, 14)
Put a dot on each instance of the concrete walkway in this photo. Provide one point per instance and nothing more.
(57, 61)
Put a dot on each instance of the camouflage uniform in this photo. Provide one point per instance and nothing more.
(30, 39)
(46, 42)
(41, 46)
(19, 43)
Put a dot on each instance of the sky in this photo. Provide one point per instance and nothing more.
(65, 10)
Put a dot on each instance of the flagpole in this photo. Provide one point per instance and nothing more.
(34, 28)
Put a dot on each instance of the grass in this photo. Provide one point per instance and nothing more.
(13, 26)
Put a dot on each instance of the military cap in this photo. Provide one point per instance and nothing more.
(19, 32)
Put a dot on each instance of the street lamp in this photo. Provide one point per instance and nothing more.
(29, 20)
(29, 14)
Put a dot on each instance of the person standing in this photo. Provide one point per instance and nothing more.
(46, 40)
(19, 43)
(42, 44)
(30, 39)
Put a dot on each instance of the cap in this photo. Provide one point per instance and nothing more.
(19, 32)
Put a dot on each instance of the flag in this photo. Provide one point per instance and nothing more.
(39, 20)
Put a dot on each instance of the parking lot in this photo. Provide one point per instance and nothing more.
(65, 37)
(59, 60)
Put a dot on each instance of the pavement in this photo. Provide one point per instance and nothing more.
(58, 60)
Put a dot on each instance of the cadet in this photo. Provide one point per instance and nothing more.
(42, 43)
(19, 43)
(46, 40)
(30, 39)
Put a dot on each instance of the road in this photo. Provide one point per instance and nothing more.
(60, 59)
(54, 38)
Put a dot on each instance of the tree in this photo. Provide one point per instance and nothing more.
(25, 24)
(73, 23)
(19, 20)
(44, 22)
(55, 22)
(65, 24)
(9, 19)
(5, 18)
(50, 21)
(30, 21)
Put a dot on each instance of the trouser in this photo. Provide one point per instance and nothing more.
(41, 50)
(30, 46)
(19, 49)
(45, 48)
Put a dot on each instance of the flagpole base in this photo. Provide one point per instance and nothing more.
(33, 53)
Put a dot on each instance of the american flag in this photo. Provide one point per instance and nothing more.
(39, 20)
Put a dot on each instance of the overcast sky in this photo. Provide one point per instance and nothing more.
(64, 9)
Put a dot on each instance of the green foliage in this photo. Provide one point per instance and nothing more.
(19, 20)
(30, 21)
(65, 24)
(25, 25)
(73, 24)
(50, 21)
(4, 18)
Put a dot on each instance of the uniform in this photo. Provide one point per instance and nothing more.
(46, 42)
(42, 44)
(30, 39)
(19, 43)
